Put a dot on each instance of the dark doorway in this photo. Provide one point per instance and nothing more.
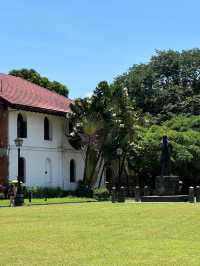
(72, 172)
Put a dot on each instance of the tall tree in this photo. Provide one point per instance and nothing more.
(168, 85)
(183, 133)
(105, 122)
(35, 77)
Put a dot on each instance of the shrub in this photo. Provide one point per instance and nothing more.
(101, 194)
(48, 192)
(83, 191)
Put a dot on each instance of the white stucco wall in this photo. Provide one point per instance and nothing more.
(38, 152)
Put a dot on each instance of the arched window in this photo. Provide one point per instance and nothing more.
(46, 129)
(72, 171)
(21, 127)
(22, 169)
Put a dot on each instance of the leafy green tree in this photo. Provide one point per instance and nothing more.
(106, 121)
(183, 133)
(35, 77)
(89, 131)
(168, 85)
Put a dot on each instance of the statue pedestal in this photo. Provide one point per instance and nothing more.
(167, 190)
(167, 185)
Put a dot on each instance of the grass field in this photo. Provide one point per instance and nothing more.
(36, 201)
(101, 234)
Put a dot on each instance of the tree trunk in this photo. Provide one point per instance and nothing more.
(101, 175)
(122, 165)
(94, 168)
(86, 164)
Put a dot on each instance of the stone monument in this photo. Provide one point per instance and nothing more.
(166, 184)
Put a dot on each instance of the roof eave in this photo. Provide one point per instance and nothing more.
(38, 109)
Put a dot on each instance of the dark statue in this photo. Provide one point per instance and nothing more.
(166, 183)
(167, 186)
(165, 159)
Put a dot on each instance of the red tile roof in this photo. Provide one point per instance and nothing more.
(20, 93)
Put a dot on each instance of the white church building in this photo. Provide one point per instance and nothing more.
(39, 116)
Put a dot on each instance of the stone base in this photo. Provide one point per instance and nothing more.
(173, 198)
(167, 185)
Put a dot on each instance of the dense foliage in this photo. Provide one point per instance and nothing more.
(35, 77)
(101, 194)
(168, 85)
(46, 192)
(184, 136)
(102, 124)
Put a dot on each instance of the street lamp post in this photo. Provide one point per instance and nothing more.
(19, 199)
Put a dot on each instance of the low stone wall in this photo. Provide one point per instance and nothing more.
(173, 198)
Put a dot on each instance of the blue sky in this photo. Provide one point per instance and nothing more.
(81, 42)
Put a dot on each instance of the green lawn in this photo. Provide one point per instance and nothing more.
(69, 199)
(101, 234)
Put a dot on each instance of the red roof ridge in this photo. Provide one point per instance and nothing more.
(43, 88)
(18, 91)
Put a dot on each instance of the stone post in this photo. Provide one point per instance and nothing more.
(146, 191)
(180, 186)
(131, 191)
(113, 194)
(191, 194)
(197, 194)
(137, 193)
(126, 192)
(121, 195)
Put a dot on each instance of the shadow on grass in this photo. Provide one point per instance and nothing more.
(40, 202)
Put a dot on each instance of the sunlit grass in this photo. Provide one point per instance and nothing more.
(34, 201)
(101, 234)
